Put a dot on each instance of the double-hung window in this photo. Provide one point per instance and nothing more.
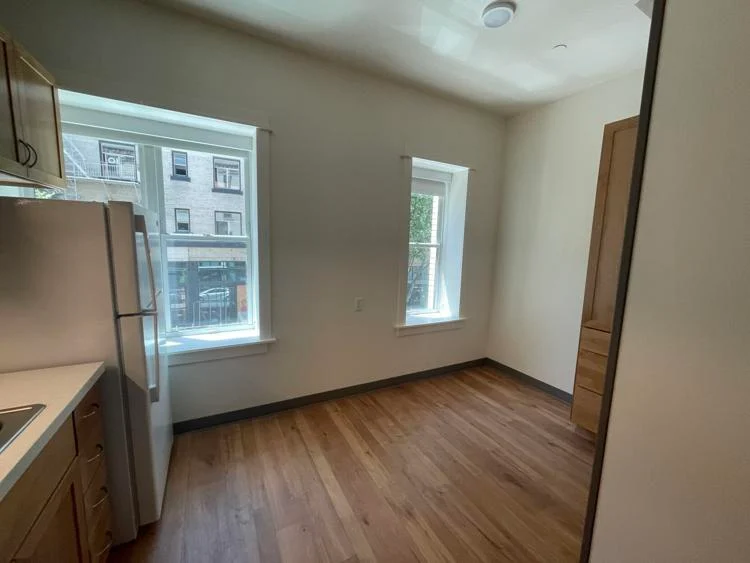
(180, 166)
(227, 176)
(228, 223)
(181, 220)
(213, 229)
(431, 276)
(118, 161)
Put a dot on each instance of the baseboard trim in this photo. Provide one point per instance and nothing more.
(546, 387)
(270, 408)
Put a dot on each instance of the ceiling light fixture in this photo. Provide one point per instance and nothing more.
(497, 14)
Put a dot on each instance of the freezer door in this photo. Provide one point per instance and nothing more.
(148, 409)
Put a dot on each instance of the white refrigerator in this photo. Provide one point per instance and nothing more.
(82, 282)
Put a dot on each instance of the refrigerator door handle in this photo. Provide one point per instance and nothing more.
(140, 227)
(155, 390)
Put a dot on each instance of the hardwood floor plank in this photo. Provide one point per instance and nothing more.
(470, 466)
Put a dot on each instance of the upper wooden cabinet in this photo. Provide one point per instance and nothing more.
(30, 132)
(11, 155)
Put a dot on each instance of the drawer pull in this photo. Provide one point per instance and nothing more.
(106, 547)
(99, 452)
(94, 410)
(105, 496)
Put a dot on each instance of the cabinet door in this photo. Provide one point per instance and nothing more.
(608, 230)
(39, 109)
(58, 536)
(12, 152)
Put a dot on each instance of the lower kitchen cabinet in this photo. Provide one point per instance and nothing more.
(59, 509)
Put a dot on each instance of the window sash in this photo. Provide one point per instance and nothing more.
(237, 220)
(186, 219)
(250, 324)
(227, 171)
(125, 165)
(433, 301)
(180, 169)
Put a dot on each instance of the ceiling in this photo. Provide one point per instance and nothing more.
(442, 45)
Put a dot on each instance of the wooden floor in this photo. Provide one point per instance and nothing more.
(471, 466)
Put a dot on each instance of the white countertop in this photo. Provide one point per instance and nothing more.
(60, 390)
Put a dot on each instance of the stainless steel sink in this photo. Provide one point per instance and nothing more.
(14, 420)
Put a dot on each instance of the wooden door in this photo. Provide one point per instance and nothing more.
(605, 252)
(58, 535)
(12, 153)
(39, 109)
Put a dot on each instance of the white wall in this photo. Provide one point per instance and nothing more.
(335, 169)
(544, 226)
(676, 480)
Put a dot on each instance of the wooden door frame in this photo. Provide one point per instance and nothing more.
(647, 98)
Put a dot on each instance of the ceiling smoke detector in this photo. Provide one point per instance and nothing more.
(497, 14)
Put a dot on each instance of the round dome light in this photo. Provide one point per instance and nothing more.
(497, 14)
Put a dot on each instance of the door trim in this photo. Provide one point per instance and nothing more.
(649, 81)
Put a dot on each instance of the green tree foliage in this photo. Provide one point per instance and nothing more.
(420, 227)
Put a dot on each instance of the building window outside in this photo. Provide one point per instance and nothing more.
(227, 174)
(180, 166)
(228, 223)
(181, 220)
(118, 161)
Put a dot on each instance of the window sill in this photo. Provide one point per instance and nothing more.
(226, 191)
(198, 348)
(179, 178)
(421, 325)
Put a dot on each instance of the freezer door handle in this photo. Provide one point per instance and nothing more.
(140, 227)
(154, 389)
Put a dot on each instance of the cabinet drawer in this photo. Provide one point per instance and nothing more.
(96, 499)
(100, 538)
(24, 502)
(88, 413)
(590, 371)
(587, 406)
(91, 452)
(596, 341)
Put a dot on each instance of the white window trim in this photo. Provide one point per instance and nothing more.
(408, 324)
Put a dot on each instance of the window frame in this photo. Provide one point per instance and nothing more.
(216, 223)
(180, 177)
(447, 313)
(105, 167)
(176, 222)
(219, 189)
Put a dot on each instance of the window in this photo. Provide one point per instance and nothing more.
(181, 220)
(227, 175)
(180, 166)
(431, 277)
(228, 223)
(118, 161)
(215, 288)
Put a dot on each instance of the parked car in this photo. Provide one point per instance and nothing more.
(214, 294)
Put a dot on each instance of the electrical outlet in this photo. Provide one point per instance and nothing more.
(359, 304)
